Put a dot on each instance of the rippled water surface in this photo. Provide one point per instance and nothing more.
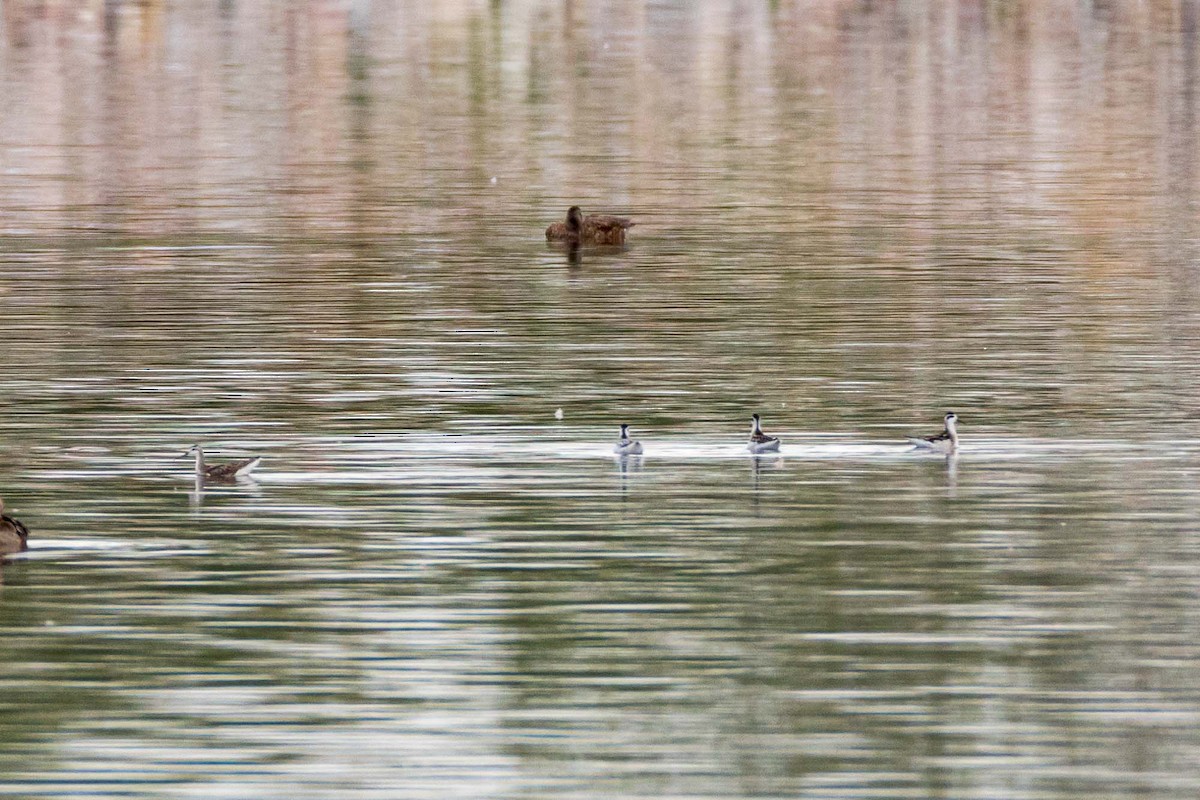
(313, 232)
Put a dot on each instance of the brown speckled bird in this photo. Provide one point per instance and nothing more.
(222, 472)
(595, 229)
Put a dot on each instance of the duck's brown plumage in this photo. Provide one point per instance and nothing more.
(14, 536)
(594, 229)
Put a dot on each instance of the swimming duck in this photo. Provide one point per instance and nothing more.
(222, 472)
(759, 441)
(596, 229)
(944, 442)
(14, 536)
(626, 446)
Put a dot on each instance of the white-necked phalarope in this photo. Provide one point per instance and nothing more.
(759, 441)
(626, 446)
(944, 442)
(14, 536)
(222, 472)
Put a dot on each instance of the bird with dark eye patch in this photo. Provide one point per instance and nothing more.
(593, 229)
(14, 536)
(944, 442)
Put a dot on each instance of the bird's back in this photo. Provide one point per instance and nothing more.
(604, 229)
(559, 232)
(227, 472)
(942, 442)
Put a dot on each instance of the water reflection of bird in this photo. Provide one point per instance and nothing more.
(574, 259)
(944, 442)
(627, 465)
(14, 536)
(222, 472)
(594, 229)
(759, 441)
(757, 465)
(626, 446)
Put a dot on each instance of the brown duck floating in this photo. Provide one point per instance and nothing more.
(594, 229)
(222, 472)
(14, 536)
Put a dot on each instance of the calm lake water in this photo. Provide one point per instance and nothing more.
(313, 232)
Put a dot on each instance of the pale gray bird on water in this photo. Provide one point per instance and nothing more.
(626, 446)
(759, 441)
(944, 442)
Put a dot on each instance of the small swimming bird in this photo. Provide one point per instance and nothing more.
(626, 446)
(944, 442)
(222, 472)
(14, 536)
(595, 229)
(759, 441)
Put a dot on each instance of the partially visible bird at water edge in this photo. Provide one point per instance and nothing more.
(14, 536)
